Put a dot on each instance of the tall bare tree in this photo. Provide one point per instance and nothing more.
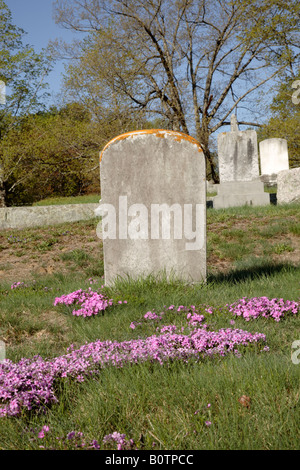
(191, 62)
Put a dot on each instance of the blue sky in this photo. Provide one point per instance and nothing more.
(36, 18)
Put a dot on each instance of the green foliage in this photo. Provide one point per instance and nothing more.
(284, 122)
(275, 22)
(50, 154)
(55, 153)
(23, 72)
(86, 199)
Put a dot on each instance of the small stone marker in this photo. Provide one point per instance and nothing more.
(288, 186)
(239, 169)
(274, 156)
(234, 127)
(153, 203)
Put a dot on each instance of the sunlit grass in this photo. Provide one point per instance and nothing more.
(166, 407)
(86, 199)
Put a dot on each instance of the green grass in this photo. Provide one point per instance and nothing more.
(271, 189)
(94, 198)
(165, 407)
(244, 234)
(86, 199)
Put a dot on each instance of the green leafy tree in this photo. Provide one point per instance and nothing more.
(23, 72)
(56, 153)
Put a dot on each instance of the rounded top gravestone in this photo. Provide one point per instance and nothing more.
(153, 203)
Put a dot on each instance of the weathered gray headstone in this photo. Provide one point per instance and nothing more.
(288, 186)
(153, 202)
(274, 156)
(239, 169)
(2, 92)
(238, 154)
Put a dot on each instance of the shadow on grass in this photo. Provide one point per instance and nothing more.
(252, 272)
(154, 290)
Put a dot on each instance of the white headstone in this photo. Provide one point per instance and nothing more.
(273, 156)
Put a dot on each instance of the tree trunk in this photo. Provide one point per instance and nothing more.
(210, 165)
(203, 138)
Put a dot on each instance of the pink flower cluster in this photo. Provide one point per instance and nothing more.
(18, 285)
(263, 307)
(194, 318)
(43, 432)
(168, 329)
(30, 383)
(192, 315)
(33, 285)
(120, 440)
(152, 316)
(77, 440)
(91, 302)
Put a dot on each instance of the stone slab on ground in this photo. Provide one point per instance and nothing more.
(38, 216)
(212, 187)
(269, 180)
(241, 193)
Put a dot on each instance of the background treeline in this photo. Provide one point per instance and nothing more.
(141, 64)
(56, 153)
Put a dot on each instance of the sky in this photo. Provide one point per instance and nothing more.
(35, 17)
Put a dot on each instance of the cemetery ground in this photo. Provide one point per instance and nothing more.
(248, 400)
